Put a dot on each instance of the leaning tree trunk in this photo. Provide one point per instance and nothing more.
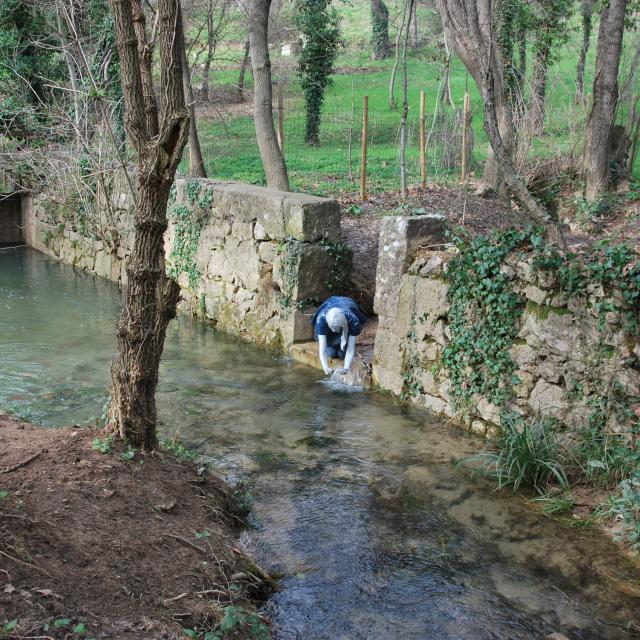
(472, 34)
(272, 159)
(379, 30)
(150, 297)
(605, 99)
(196, 161)
(587, 15)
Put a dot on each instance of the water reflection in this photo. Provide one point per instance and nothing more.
(356, 499)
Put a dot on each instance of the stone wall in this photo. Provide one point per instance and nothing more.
(571, 357)
(253, 261)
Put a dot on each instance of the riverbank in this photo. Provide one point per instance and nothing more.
(98, 541)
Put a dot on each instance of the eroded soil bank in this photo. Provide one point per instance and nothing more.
(116, 544)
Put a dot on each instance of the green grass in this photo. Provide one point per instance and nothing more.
(231, 152)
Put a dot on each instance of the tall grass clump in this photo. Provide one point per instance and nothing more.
(527, 454)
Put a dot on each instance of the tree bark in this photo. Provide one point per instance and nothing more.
(272, 159)
(243, 70)
(539, 84)
(379, 29)
(587, 15)
(405, 111)
(446, 87)
(204, 89)
(150, 297)
(415, 41)
(196, 161)
(394, 70)
(73, 72)
(605, 99)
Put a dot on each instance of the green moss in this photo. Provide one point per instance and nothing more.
(543, 311)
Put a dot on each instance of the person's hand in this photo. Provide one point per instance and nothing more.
(328, 371)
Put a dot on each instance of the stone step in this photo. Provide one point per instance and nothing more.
(359, 375)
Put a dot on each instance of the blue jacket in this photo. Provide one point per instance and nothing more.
(355, 317)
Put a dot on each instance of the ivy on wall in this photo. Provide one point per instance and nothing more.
(485, 310)
(483, 319)
(189, 222)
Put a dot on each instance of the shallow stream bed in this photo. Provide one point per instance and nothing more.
(355, 500)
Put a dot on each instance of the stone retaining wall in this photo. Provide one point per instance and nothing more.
(252, 260)
(569, 357)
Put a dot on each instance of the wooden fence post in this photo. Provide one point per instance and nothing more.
(466, 121)
(423, 143)
(363, 164)
(281, 117)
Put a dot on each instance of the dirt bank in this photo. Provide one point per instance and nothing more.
(116, 544)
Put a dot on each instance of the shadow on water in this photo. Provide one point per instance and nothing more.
(356, 501)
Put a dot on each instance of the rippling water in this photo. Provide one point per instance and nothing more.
(356, 500)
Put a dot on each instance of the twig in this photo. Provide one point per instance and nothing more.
(187, 542)
(20, 464)
(26, 564)
(178, 597)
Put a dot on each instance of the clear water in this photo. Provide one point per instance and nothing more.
(356, 500)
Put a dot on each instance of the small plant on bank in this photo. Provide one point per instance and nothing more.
(626, 505)
(177, 449)
(527, 455)
(235, 620)
(103, 445)
(553, 504)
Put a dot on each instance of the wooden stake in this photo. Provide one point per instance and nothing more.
(363, 164)
(423, 143)
(466, 117)
(281, 117)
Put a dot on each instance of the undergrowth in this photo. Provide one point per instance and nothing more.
(527, 454)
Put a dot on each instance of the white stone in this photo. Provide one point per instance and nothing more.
(548, 399)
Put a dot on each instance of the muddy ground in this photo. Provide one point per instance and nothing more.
(93, 545)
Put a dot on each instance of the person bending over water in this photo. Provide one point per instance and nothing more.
(336, 324)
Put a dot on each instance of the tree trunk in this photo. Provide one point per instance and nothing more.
(522, 57)
(605, 99)
(243, 70)
(587, 14)
(539, 84)
(415, 41)
(446, 87)
(150, 297)
(394, 70)
(204, 89)
(379, 29)
(272, 159)
(405, 111)
(73, 73)
(196, 161)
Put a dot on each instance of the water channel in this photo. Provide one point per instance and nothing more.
(356, 500)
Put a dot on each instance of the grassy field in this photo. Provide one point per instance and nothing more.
(333, 167)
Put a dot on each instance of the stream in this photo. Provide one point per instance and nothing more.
(356, 500)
